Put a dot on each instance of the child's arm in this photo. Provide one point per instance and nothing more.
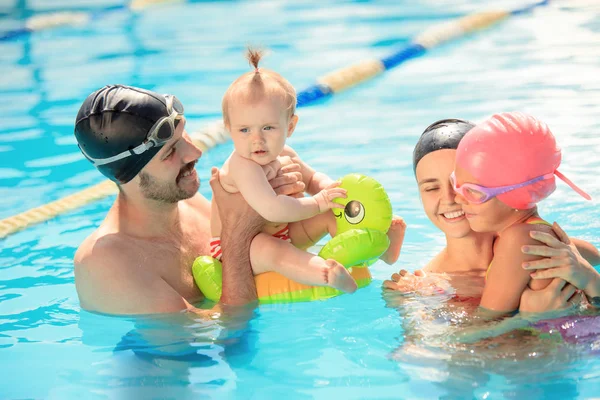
(251, 181)
(506, 279)
(314, 181)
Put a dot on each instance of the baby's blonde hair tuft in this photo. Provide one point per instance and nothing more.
(258, 84)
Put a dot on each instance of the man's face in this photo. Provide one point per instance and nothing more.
(171, 175)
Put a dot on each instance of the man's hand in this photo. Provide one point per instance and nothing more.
(288, 181)
(272, 169)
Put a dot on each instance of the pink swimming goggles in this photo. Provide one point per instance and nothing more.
(476, 194)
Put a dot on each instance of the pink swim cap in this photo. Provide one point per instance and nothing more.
(512, 148)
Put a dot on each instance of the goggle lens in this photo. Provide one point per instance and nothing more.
(473, 195)
(164, 131)
(177, 106)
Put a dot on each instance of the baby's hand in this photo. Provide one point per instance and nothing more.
(326, 196)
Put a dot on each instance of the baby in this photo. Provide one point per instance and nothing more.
(259, 112)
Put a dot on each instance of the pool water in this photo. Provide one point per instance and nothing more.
(545, 63)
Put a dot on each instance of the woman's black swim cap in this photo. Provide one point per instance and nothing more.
(117, 118)
(443, 134)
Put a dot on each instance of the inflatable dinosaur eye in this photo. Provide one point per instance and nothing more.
(354, 212)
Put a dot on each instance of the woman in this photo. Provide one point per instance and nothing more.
(469, 252)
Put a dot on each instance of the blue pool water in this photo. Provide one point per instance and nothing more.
(545, 63)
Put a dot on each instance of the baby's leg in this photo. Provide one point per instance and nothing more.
(308, 232)
(271, 254)
(396, 236)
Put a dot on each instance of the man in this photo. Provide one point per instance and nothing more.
(139, 260)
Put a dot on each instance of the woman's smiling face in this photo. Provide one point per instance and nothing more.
(438, 198)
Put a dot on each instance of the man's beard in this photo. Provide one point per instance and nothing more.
(166, 192)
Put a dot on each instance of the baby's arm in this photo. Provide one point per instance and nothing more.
(506, 279)
(314, 181)
(251, 181)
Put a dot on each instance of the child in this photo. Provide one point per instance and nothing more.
(504, 167)
(259, 112)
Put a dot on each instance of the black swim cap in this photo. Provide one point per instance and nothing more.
(118, 118)
(442, 134)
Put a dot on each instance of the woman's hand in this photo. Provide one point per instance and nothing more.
(563, 260)
(555, 296)
(419, 282)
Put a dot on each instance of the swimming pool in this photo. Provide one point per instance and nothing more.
(545, 63)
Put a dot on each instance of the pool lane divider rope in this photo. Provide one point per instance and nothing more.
(325, 87)
(204, 140)
(44, 21)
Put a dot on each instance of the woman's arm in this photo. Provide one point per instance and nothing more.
(587, 250)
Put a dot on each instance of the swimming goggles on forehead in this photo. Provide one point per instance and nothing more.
(477, 194)
(158, 135)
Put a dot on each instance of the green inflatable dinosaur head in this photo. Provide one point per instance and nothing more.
(367, 205)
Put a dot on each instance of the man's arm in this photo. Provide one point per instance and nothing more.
(240, 224)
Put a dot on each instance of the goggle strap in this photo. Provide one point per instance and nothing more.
(572, 185)
(149, 142)
(135, 151)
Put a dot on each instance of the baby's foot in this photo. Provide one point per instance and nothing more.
(396, 236)
(338, 277)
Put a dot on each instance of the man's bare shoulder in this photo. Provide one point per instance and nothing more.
(99, 262)
(101, 256)
(111, 277)
(99, 246)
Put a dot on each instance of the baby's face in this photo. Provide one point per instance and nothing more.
(259, 129)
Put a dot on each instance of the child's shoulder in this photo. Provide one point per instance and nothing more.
(235, 161)
(519, 234)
